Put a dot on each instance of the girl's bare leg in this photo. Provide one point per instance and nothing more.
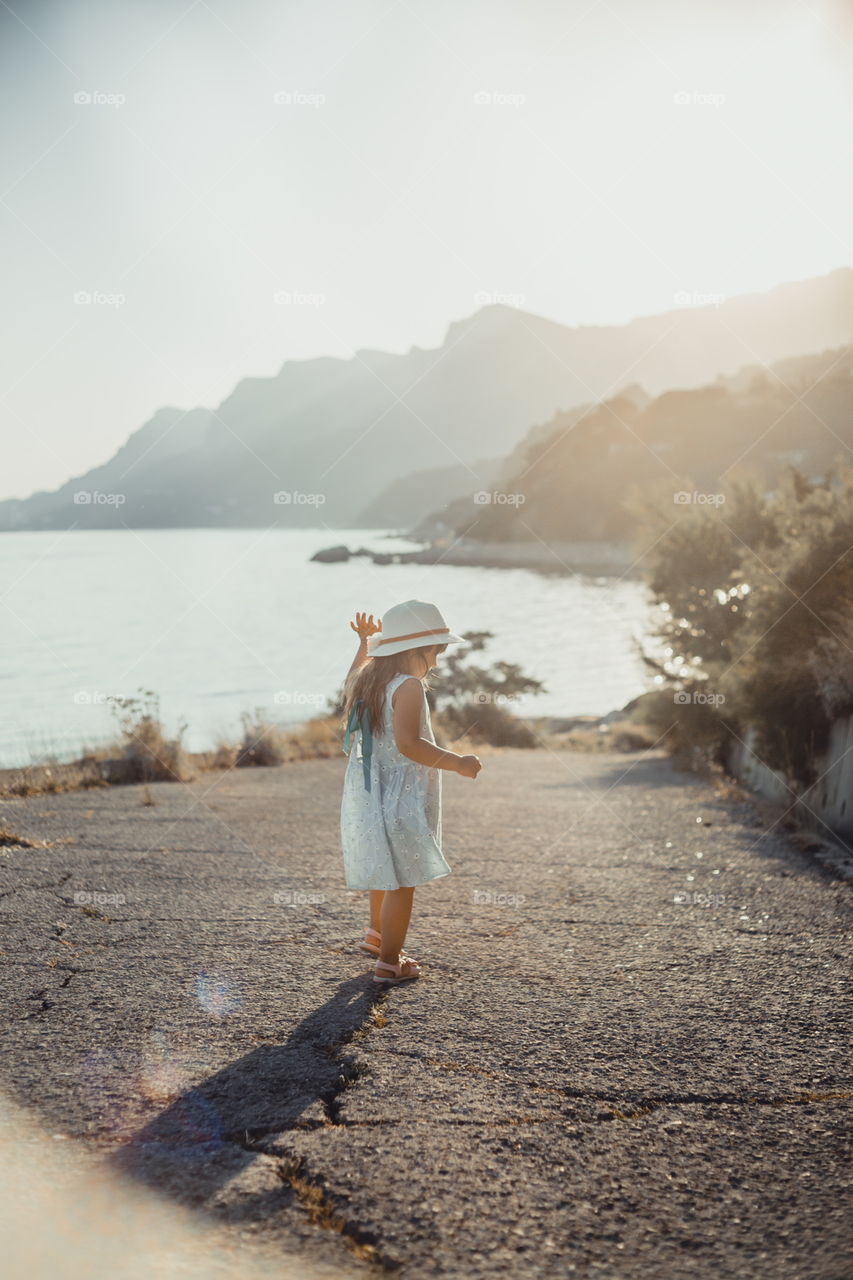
(394, 923)
(376, 896)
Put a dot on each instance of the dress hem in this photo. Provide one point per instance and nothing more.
(386, 887)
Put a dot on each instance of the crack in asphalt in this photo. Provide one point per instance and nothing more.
(325, 1209)
(638, 1109)
(330, 1212)
(37, 888)
(645, 1103)
(41, 994)
(714, 1099)
(304, 1180)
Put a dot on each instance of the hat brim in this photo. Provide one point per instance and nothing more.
(375, 649)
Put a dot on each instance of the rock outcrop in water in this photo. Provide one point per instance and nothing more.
(599, 559)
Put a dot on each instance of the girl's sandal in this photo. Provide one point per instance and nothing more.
(393, 973)
(372, 948)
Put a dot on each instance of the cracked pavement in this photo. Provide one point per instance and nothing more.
(627, 1056)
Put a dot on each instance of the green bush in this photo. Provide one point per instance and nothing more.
(483, 722)
(756, 604)
(468, 699)
(474, 701)
(458, 679)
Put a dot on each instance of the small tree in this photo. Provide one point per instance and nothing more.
(756, 605)
(459, 680)
(473, 701)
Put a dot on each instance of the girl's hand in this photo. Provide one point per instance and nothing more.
(469, 766)
(364, 626)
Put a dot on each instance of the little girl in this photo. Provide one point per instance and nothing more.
(391, 808)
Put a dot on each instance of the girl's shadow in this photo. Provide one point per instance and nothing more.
(215, 1130)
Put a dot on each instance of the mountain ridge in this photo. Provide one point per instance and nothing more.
(333, 434)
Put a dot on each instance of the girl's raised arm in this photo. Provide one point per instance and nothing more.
(364, 627)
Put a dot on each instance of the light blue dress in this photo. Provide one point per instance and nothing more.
(391, 809)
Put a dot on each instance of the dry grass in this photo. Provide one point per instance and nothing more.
(146, 754)
(149, 754)
(38, 779)
(224, 756)
(11, 839)
(621, 735)
(729, 789)
(261, 744)
(265, 743)
(324, 1210)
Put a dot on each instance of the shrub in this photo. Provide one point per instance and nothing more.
(459, 680)
(265, 743)
(148, 755)
(756, 601)
(224, 755)
(262, 742)
(468, 699)
(628, 737)
(484, 722)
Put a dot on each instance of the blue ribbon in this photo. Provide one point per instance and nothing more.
(358, 722)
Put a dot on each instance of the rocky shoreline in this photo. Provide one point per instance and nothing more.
(599, 559)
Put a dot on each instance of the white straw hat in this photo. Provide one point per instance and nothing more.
(412, 625)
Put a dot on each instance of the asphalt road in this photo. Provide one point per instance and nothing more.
(626, 1056)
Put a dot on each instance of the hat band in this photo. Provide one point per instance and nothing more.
(414, 635)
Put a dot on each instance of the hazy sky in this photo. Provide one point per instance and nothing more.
(382, 194)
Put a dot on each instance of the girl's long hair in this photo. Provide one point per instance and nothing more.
(369, 685)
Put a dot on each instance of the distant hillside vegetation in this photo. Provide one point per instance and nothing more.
(577, 480)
